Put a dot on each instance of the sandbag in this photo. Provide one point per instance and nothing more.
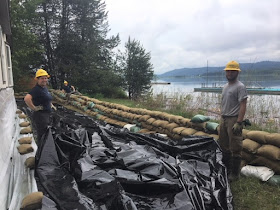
(32, 201)
(199, 126)
(25, 140)
(135, 129)
(30, 162)
(178, 130)
(144, 131)
(151, 120)
(24, 124)
(212, 126)
(261, 172)
(18, 111)
(171, 126)
(186, 122)
(215, 136)
(263, 161)
(200, 133)
(22, 116)
(25, 148)
(250, 145)
(274, 180)
(244, 133)
(273, 139)
(258, 136)
(200, 118)
(248, 157)
(269, 151)
(26, 130)
(188, 132)
(144, 118)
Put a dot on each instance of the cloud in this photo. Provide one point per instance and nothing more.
(181, 33)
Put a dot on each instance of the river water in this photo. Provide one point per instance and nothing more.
(263, 110)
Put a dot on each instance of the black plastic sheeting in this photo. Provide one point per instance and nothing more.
(86, 164)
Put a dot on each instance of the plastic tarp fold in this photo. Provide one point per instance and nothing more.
(85, 164)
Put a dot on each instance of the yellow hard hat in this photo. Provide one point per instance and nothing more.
(65, 82)
(232, 66)
(41, 72)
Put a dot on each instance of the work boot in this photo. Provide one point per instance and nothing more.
(235, 169)
(227, 161)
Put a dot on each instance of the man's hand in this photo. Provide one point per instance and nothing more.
(38, 108)
(237, 128)
(53, 107)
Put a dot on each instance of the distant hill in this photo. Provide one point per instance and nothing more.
(259, 68)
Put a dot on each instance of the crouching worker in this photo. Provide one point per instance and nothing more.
(233, 108)
(68, 89)
(39, 100)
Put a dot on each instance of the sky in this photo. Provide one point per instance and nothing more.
(188, 33)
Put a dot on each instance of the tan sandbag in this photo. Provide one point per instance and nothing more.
(18, 111)
(248, 157)
(215, 136)
(244, 133)
(258, 136)
(199, 126)
(176, 137)
(26, 130)
(144, 118)
(24, 124)
(178, 130)
(171, 126)
(22, 116)
(201, 133)
(25, 140)
(250, 146)
(160, 123)
(32, 201)
(144, 131)
(188, 132)
(151, 120)
(262, 161)
(25, 148)
(30, 162)
(273, 139)
(269, 151)
(185, 121)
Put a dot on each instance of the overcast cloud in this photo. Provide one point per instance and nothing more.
(185, 33)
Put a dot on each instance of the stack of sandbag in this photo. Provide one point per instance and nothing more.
(175, 127)
(261, 148)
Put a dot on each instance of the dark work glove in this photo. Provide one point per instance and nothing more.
(38, 108)
(237, 128)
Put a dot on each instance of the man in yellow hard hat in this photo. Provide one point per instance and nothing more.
(233, 108)
(68, 89)
(39, 100)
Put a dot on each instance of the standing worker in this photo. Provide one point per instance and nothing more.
(233, 108)
(68, 90)
(39, 100)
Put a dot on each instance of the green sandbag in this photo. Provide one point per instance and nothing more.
(134, 129)
(200, 118)
(274, 180)
(212, 126)
(91, 105)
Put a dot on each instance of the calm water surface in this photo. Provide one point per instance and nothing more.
(261, 109)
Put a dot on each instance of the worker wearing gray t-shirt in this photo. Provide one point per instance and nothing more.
(233, 108)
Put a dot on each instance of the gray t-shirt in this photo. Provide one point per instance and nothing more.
(232, 95)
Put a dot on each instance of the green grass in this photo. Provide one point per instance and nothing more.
(251, 193)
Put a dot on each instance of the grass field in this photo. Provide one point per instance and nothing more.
(248, 193)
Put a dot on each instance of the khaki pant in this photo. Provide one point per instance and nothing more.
(230, 143)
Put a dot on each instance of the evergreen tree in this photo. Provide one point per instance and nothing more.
(27, 53)
(137, 70)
